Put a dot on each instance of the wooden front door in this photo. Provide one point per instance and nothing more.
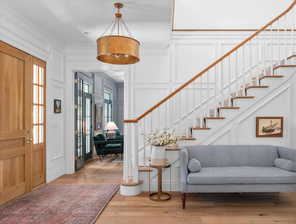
(22, 122)
(15, 122)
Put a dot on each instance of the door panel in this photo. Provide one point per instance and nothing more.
(38, 167)
(15, 122)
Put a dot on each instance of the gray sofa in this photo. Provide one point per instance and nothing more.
(236, 168)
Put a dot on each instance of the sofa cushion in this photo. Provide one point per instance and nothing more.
(285, 164)
(242, 175)
(113, 146)
(194, 165)
(287, 153)
(233, 155)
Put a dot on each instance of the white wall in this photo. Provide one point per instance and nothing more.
(22, 34)
(226, 14)
(151, 79)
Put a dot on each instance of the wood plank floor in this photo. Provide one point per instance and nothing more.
(201, 208)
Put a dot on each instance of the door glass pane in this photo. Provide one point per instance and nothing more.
(35, 94)
(87, 143)
(35, 134)
(41, 113)
(40, 95)
(35, 114)
(35, 74)
(41, 129)
(41, 76)
(85, 88)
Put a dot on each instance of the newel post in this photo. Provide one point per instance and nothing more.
(131, 185)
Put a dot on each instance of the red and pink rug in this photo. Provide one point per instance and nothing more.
(59, 204)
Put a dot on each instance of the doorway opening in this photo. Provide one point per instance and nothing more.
(99, 109)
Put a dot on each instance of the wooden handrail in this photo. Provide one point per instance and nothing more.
(212, 65)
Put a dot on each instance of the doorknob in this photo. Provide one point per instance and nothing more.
(29, 140)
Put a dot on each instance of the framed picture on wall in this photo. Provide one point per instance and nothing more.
(57, 106)
(269, 126)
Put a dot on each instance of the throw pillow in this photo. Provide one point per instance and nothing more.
(194, 166)
(285, 164)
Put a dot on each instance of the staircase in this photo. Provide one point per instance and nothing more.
(214, 97)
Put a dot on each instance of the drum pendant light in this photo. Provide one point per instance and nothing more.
(118, 47)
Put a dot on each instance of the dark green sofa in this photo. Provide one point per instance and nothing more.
(105, 146)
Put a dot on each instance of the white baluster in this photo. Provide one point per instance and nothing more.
(158, 114)
(272, 47)
(291, 34)
(229, 80)
(279, 42)
(166, 114)
(244, 66)
(286, 37)
(208, 85)
(294, 30)
(222, 81)
(144, 140)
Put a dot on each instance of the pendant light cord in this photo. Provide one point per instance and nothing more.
(118, 24)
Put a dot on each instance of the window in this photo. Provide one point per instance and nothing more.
(38, 104)
(107, 105)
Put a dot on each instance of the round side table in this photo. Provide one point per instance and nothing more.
(160, 195)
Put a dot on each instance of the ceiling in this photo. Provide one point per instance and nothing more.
(82, 21)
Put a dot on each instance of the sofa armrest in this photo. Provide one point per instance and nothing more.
(183, 168)
(287, 153)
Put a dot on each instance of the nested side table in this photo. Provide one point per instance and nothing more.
(160, 195)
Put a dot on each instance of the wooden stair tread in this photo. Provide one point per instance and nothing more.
(186, 139)
(214, 118)
(284, 66)
(200, 128)
(243, 97)
(145, 169)
(271, 76)
(228, 108)
(256, 87)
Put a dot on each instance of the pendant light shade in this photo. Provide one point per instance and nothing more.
(117, 48)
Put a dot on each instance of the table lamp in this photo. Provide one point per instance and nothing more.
(111, 128)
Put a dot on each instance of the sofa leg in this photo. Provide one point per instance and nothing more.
(183, 200)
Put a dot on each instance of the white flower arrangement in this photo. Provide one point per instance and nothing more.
(162, 138)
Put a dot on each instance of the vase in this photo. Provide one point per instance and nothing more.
(158, 155)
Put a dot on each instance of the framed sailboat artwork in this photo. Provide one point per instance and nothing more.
(269, 127)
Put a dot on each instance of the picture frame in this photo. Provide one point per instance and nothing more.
(57, 106)
(269, 127)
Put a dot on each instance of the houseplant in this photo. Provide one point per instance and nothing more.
(159, 140)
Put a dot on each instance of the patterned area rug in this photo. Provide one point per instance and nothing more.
(59, 204)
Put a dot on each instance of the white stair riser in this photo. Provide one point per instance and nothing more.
(270, 82)
(257, 91)
(242, 103)
(213, 123)
(228, 113)
(285, 71)
(200, 135)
